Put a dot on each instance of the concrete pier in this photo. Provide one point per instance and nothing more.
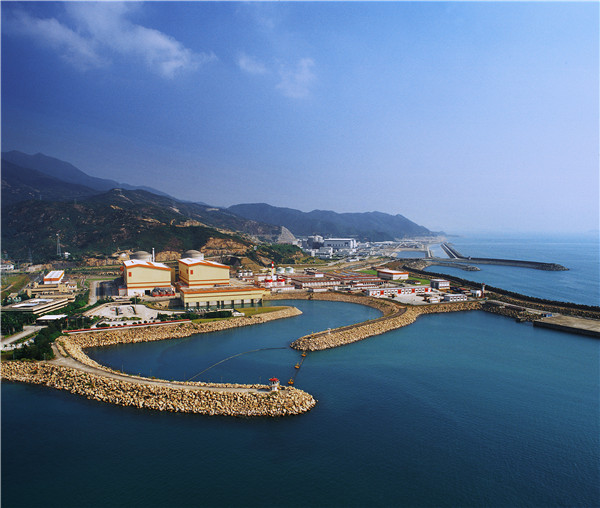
(455, 256)
(571, 324)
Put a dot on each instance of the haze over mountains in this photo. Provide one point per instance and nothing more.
(42, 196)
(373, 226)
(66, 172)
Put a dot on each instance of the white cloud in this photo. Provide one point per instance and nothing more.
(251, 65)
(104, 27)
(296, 82)
(72, 47)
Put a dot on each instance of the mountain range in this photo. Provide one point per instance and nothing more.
(367, 226)
(43, 196)
(66, 172)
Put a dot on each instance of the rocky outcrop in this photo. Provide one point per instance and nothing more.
(223, 247)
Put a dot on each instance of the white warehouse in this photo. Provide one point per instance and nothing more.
(340, 243)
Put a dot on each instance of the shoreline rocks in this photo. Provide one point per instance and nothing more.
(101, 383)
(108, 385)
(353, 333)
(287, 401)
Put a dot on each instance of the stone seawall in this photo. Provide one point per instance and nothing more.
(178, 330)
(353, 333)
(99, 382)
(188, 398)
(73, 346)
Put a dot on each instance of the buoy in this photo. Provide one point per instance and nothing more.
(297, 366)
(303, 353)
(291, 381)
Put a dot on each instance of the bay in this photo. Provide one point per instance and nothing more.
(465, 409)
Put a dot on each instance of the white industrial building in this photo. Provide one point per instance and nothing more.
(449, 297)
(439, 284)
(54, 277)
(387, 274)
(340, 243)
(394, 291)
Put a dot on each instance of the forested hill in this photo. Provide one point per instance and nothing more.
(99, 226)
(119, 219)
(371, 226)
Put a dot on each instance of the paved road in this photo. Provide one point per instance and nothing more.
(27, 330)
(93, 292)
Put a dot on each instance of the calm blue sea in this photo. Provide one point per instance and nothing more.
(580, 254)
(465, 409)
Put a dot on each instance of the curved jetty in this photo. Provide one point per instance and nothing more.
(255, 400)
(76, 372)
(394, 316)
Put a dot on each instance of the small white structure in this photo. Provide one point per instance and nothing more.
(448, 297)
(324, 253)
(393, 291)
(274, 384)
(49, 318)
(476, 293)
(439, 284)
(313, 272)
(387, 274)
(7, 267)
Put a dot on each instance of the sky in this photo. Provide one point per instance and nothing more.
(463, 117)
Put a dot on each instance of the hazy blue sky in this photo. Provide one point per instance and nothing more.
(460, 116)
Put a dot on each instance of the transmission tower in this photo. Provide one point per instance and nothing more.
(58, 245)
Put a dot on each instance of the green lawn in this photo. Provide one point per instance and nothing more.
(424, 282)
(13, 283)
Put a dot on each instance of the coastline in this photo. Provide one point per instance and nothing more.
(395, 316)
(73, 370)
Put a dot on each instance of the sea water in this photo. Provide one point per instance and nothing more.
(462, 409)
(580, 254)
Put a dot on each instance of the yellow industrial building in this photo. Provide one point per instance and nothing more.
(195, 273)
(202, 284)
(221, 297)
(141, 276)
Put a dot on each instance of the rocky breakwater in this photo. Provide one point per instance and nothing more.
(163, 396)
(77, 373)
(349, 334)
